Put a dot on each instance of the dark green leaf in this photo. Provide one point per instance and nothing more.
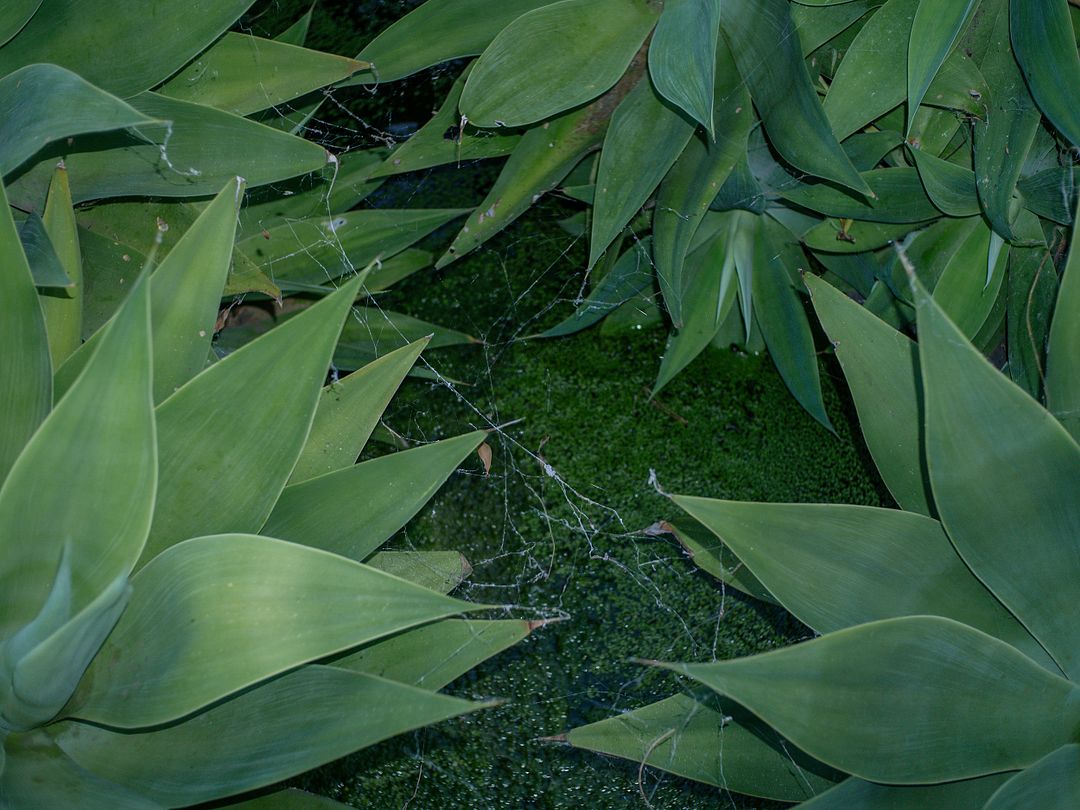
(682, 56)
(1063, 352)
(1052, 783)
(1045, 46)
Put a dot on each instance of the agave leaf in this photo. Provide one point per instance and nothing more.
(438, 31)
(38, 774)
(440, 141)
(439, 571)
(291, 799)
(963, 289)
(1050, 194)
(1052, 782)
(934, 30)
(554, 58)
(696, 178)
(710, 555)
(1045, 47)
(304, 718)
(432, 656)
(326, 513)
(682, 56)
(348, 411)
(15, 15)
(185, 291)
(197, 155)
(710, 281)
(1063, 352)
(832, 236)
(117, 45)
(692, 739)
(951, 187)
(765, 44)
(211, 485)
(781, 315)
(170, 656)
(881, 367)
(1033, 286)
(543, 157)
(40, 104)
(979, 424)
(44, 264)
(326, 248)
(898, 192)
(881, 563)
(882, 701)
(817, 25)
(645, 138)
(377, 331)
(630, 275)
(243, 74)
(62, 308)
(44, 678)
(856, 793)
(1004, 137)
(100, 497)
(296, 34)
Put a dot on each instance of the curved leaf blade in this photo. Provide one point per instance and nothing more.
(1063, 350)
(1052, 782)
(1042, 38)
(934, 30)
(682, 56)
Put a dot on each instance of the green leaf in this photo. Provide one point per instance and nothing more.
(682, 56)
(858, 793)
(692, 739)
(765, 44)
(833, 236)
(543, 157)
(325, 512)
(40, 104)
(439, 571)
(978, 423)
(438, 31)
(881, 367)
(440, 141)
(243, 74)
(38, 774)
(305, 718)
(1050, 194)
(375, 331)
(297, 33)
(290, 799)
(553, 58)
(963, 289)
(348, 411)
(1052, 782)
(696, 178)
(45, 265)
(778, 307)
(1033, 286)
(1063, 351)
(1045, 47)
(14, 16)
(321, 249)
(629, 276)
(934, 30)
(96, 451)
(209, 485)
(951, 187)
(190, 636)
(205, 150)
(116, 44)
(710, 555)
(883, 701)
(185, 292)
(898, 197)
(881, 563)
(62, 309)
(1005, 134)
(432, 656)
(645, 138)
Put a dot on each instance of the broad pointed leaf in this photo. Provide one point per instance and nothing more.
(1053, 783)
(682, 56)
(191, 636)
(1063, 351)
(852, 793)
(1045, 47)
(355, 510)
(934, 30)
(883, 701)
(62, 308)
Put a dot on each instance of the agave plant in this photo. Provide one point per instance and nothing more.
(945, 672)
(194, 604)
(760, 138)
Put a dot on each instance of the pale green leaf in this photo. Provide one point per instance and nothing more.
(1045, 47)
(682, 56)
(62, 308)
(934, 30)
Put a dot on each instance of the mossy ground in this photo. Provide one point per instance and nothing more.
(572, 544)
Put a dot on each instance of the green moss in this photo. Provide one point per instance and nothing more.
(727, 427)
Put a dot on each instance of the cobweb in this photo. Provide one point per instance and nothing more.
(562, 529)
